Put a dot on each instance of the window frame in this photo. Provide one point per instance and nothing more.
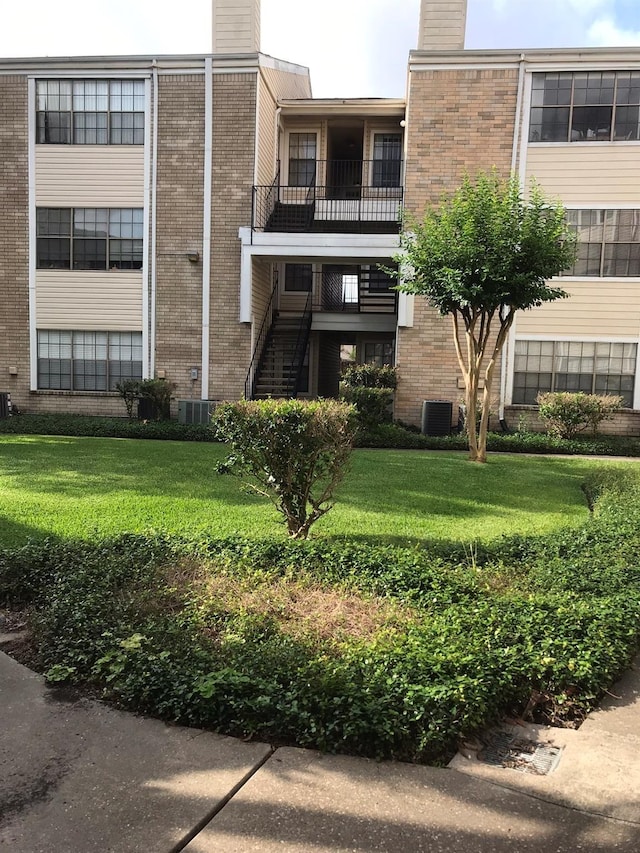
(120, 219)
(78, 373)
(598, 379)
(598, 252)
(303, 131)
(381, 164)
(575, 104)
(110, 127)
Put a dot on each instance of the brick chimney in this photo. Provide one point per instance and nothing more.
(442, 24)
(236, 26)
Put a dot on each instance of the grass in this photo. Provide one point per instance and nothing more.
(92, 487)
(345, 643)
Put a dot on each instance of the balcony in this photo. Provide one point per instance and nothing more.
(342, 196)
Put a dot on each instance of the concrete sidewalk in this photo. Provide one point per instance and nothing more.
(76, 776)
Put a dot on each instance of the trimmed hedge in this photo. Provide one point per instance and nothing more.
(96, 427)
(475, 635)
(390, 436)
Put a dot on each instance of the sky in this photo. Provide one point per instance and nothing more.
(354, 48)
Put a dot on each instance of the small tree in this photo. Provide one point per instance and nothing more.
(479, 257)
(129, 390)
(295, 453)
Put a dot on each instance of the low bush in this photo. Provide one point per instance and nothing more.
(370, 389)
(370, 376)
(293, 452)
(567, 414)
(378, 651)
(373, 405)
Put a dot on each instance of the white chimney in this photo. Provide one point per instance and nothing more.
(442, 24)
(236, 26)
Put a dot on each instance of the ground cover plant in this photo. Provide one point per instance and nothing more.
(385, 651)
(69, 487)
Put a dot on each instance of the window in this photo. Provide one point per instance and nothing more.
(302, 159)
(89, 238)
(90, 112)
(379, 353)
(587, 106)
(298, 278)
(87, 361)
(387, 159)
(594, 368)
(608, 242)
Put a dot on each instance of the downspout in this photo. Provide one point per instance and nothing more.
(154, 199)
(514, 160)
(206, 224)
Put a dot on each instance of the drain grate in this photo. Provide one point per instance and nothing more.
(503, 749)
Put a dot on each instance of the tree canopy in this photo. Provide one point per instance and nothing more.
(480, 256)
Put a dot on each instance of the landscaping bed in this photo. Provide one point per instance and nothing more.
(390, 436)
(369, 650)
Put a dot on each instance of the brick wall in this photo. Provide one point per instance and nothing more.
(458, 121)
(179, 230)
(234, 104)
(14, 240)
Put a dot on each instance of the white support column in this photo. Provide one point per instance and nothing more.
(33, 334)
(206, 224)
(147, 370)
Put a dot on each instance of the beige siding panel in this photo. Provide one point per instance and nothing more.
(285, 84)
(587, 174)
(87, 300)
(266, 141)
(236, 26)
(89, 175)
(595, 307)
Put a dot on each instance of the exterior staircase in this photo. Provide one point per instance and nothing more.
(282, 359)
(290, 218)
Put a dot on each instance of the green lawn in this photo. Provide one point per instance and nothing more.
(88, 487)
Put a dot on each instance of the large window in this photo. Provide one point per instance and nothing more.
(587, 106)
(387, 159)
(87, 361)
(591, 367)
(608, 242)
(89, 238)
(302, 159)
(298, 278)
(90, 112)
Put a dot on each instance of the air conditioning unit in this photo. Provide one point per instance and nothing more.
(195, 411)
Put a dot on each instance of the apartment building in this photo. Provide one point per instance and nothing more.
(203, 219)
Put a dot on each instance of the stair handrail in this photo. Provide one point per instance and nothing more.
(302, 340)
(261, 339)
(265, 207)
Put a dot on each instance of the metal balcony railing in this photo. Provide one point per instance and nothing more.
(354, 290)
(328, 195)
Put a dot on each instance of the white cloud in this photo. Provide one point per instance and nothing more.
(605, 32)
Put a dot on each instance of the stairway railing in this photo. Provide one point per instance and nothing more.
(260, 343)
(302, 342)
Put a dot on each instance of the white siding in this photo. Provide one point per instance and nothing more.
(88, 300)
(595, 307)
(89, 175)
(588, 173)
